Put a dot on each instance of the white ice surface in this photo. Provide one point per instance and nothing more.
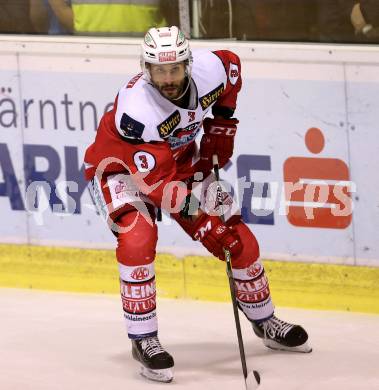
(51, 341)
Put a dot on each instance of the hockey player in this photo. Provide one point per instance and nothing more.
(143, 153)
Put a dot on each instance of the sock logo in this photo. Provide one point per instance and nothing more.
(138, 298)
(254, 270)
(140, 273)
(252, 291)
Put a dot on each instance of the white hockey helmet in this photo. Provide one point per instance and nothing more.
(165, 45)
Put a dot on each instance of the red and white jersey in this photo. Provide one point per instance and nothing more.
(152, 135)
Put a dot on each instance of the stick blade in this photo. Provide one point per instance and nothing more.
(253, 380)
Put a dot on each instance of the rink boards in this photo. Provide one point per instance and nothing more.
(292, 284)
(54, 91)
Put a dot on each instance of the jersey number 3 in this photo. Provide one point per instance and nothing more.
(144, 161)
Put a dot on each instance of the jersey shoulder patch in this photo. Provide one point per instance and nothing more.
(231, 63)
(134, 117)
(130, 127)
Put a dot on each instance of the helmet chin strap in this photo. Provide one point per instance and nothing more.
(185, 90)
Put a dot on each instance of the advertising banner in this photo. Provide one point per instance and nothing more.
(304, 170)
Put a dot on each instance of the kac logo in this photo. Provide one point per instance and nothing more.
(140, 273)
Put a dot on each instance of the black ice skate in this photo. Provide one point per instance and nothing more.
(157, 364)
(281, 335)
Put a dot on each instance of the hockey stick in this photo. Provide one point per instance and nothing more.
(250, 382)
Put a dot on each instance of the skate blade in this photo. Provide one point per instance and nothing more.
(163, 375)
(304, 348)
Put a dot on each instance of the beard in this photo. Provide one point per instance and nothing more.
(172, 91)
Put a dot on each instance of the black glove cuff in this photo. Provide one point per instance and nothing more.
(225, 112)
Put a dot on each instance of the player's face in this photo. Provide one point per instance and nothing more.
(169, 79)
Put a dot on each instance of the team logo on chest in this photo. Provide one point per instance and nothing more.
(184, 136)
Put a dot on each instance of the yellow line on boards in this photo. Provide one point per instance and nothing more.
(305, 285)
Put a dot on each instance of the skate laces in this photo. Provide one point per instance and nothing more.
(151, 346)
(274, 328)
